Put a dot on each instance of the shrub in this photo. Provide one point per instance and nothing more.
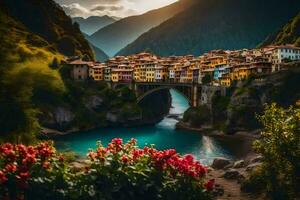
(31, 172)
(280, 147)
(118, 171)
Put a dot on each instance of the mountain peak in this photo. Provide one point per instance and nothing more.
(116, 36)
(216, 24)
(93, 23)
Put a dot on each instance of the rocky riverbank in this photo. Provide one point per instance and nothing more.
(229, 176)
(237, 111)
(239, 143)
(102, 113)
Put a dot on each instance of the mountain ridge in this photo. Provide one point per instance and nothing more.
(230, 24)
(51, 24)
(115, 36)
(288, 34)
(93, 23)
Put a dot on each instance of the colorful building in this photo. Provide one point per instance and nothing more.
(80, 69)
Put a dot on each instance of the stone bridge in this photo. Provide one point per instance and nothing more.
(195, 93)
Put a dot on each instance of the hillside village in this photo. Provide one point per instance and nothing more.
(217, 67)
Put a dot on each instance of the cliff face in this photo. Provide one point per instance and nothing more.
(106, 108)
(155, 107)
(239, 109)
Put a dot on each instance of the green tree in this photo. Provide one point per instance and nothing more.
(280, 147)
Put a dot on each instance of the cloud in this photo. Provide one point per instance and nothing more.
(107, 7)
(76, 10)
(118, 8)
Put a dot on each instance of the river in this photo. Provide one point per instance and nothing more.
(163, 135)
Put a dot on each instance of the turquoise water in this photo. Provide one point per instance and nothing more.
(163, 135)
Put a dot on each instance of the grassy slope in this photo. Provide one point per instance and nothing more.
(46, 19)
(289, 34)
(24, 72)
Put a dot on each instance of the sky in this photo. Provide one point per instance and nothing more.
(116, 8)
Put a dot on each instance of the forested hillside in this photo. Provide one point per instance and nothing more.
(216, 24)
(116, 36)
(288, 34)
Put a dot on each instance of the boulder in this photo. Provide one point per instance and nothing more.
(253, 166)
(232, 174)
(220, 163)
(239, 164)
(256, 159)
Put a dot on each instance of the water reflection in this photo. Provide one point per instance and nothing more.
(163, 135)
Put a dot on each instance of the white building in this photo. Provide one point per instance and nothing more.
(280, 54)
(171, 73)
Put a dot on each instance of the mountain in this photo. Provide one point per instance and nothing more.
(288, 34)
(99, 54)
(116, 36)
(216, 24)
(47, 19)
(92, 24)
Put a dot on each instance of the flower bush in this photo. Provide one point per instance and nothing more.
(118, 171)
(31, 172)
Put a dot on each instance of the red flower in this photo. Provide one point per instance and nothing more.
(117, 141)
(46, 165)
(125, 159)
(3, 177)
(210, 184)
(61, 158)
(24, 175)
(10, 168)
(189, 158)
(87, 169)
(29, 159)
(91, 155)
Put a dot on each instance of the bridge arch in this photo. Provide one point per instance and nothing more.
(143, 96)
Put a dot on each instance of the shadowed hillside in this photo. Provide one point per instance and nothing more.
(216, 24)
(289, 34)
(47, 19)
(92, 24)
(116, 36)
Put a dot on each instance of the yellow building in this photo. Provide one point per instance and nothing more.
(225, 80)
(217, 61)
(241, 71)
(98, 72)
(150, 73)
(190, 70)
(136, 74)
(140, 72)
(115, 75)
